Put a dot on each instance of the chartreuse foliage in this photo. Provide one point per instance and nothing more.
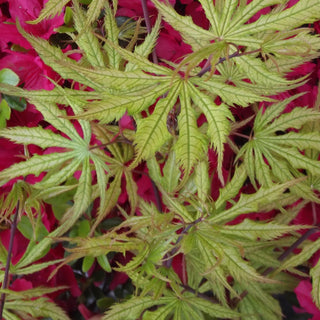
(22, 304)
(224, 268)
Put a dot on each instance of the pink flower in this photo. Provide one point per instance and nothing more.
(19, 245)
(27, 10)
(195, 10)
(126, 122)
(133, 8)
(21, 285)
(303, 292)
(32, 72)
(170, 45)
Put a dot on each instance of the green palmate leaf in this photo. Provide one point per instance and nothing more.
(102, 245)
(35, 165)
(240, 269)
(191, 307)
(202, 180)
(132, 190)
(218, 123)
(82, 197)
(282, 171)
(38, 136)
(132, 309)
(58, 61)
(211, 309)
(194, 35)
(253, 230)
(315, 274)
(116, 80)
(301, 141)
(147, 46)
(213, 254)
(265, 117)
(51, 8)
(41, 307)
(230, 94)
(112, 107)
(5, 113)
(306, 253)
(178, 208)
(305, 11)
(253, 202)
(152, 132)
(109, 200)
(36, 251)
(33, 267)
(10, 316)
(295, 119)
(112, 32)
(93, 12)
(258, 73)
(255, 309)
(86, 40)
(262, 171)
(248, 62)
(101, 169)
(56, 177)
(246, 11)
(232, 188)
(295, 158)
(140, 61)
(171, 173)
(56, 95)
(191, 142)
(56, 117)
(270, 155)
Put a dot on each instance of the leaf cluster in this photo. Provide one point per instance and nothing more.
(235, 64)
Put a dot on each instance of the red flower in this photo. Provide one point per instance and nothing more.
(303, 292)
(33, 73)
(21, 285)
(195, 10)
(20, 244)
(170, 45)
(27, 10)
(133, 8)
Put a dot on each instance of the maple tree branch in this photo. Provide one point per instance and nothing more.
(207, 67)
(6, 273)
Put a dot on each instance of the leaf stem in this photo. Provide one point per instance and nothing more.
(207, 67)
(199, 295)
(6, 273)
(241, 135)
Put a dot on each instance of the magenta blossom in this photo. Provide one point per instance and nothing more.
(303, 292)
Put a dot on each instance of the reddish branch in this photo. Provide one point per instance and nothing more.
(6, 273)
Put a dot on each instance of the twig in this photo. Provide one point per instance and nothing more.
(6, 273)
(207, 68)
